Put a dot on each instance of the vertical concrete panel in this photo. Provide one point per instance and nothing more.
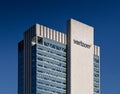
(41, 29)
(60, 37)
(50, 34)
(55, 35)
(47, 33)
(37, 29)
(81, 58)
(63, 38)
(44, 31)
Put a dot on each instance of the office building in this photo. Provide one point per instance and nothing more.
(52, 62)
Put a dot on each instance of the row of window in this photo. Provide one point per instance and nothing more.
(50, 89)
(43, 82)
(54, 46)
(96, 65)
(96, 91)
(54, 62)
(52, 67)
(49, 52)
(96, 59)
(96, 85)
(50, 72)
(54, 52)
(96, 75)
(48, 67)
(51, 78)
(51, 57)
(96, 80)
(51, 82)
(42, 91)
(96, 70)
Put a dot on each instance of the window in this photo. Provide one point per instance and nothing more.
(40, 40)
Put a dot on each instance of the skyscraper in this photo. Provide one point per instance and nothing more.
(52, 62)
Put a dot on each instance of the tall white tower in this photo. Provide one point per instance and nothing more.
(80, 57)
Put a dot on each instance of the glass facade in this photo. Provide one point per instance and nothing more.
(48, 67)
(96, 75)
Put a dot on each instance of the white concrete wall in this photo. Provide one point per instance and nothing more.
(46, 32)
(81, 58)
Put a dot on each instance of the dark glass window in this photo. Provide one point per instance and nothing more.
(40, 40)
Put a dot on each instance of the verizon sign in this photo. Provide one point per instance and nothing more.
(82, 44)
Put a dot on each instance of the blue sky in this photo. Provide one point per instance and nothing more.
(18, 15)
